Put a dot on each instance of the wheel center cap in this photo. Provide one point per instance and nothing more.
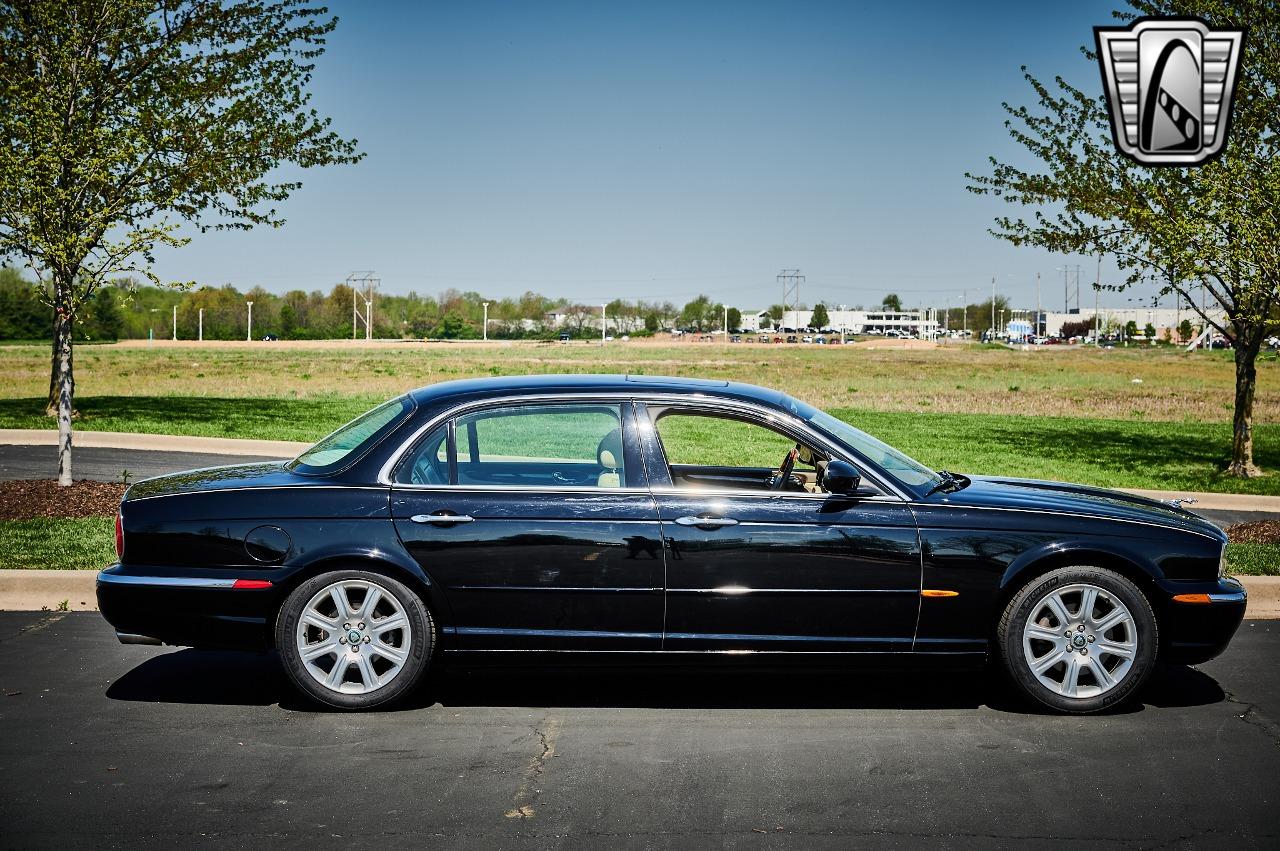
(354, 636)
(1079, 640)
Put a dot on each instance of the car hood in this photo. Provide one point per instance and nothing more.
(259, 474)
(1036, 495)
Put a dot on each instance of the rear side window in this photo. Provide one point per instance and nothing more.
(550, 446)
(353, 439)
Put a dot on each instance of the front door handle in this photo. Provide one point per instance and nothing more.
(442, 518)
(706, 521)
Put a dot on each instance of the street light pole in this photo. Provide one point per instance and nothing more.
(604, 322)
(200, 327)
(175, 323)
(249, 336)
(726, 324)
(485, 333)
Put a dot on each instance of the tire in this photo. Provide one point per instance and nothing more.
(378, 656)
(1115, 642)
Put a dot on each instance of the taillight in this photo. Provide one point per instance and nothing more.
(119, 535)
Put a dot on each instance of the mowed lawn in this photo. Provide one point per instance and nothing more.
(1141, 418)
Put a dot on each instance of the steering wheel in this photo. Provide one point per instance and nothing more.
(784, 470)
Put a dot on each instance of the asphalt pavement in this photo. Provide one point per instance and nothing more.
(108, 746)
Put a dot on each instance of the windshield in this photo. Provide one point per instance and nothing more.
(905, 469)
(349, 442)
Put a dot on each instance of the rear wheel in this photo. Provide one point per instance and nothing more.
(1079, 639)
(353, 639)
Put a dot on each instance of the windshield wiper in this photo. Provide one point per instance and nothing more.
(950, 483)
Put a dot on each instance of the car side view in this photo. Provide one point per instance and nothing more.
(620, 518)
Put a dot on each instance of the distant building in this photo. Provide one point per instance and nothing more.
(1161, 318)
(919, 323)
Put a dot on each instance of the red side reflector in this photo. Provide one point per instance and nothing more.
(242, 584)
(119, 535)
(1192, 598)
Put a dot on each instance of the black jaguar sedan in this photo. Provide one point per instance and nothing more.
(639, 519)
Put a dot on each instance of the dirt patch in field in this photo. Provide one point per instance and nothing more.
(1257, 532)
(26, 500)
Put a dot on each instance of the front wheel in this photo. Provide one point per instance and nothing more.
(1079, 639)
(353, 639)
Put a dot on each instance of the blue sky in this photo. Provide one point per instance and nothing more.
(659, 150)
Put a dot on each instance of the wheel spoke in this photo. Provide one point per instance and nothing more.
(336, 673)
(386, 651)
(367, 676)
(1100, 672)
(1114, 648)
(319, 621)
(1047, 661)
(312, 652)
(370, 603)
(339, 596)
(1112, 619)
(1088, 598)
(1054, 602)
(1043, 633)
(396, 621)
(1071, 679)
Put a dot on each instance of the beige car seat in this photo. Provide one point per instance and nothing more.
(609, 457)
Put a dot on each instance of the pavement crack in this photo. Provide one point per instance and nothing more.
(49, 620)
(1254, 718)
(546, 732)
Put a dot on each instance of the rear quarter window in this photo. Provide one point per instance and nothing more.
(350, 442)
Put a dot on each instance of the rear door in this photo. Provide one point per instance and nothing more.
(536, 520)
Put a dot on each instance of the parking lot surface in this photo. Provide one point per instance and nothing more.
(107, 745)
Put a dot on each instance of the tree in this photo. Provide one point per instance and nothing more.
(1130, 329)
(699, 314)
(775, 313)
(1149, 331)
(892, 302)
(1185, 330)
(122, 120)
(766, 321)
(820, 318)
(1214, 225)
(735, 319)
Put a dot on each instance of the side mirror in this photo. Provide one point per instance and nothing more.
(842, 478)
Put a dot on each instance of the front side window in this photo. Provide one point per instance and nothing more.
(550, 446)
(349, 442)
(711, 451)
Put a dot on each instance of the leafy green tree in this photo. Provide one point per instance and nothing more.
(1185, 330)
(820, 318)
(892, 302)
(1149, 331)
(775, 313)
(121, 120)
(766, 321)
(107, 319)
(1212, 225)
(1130, 329)
(698, 314)
(735, 318)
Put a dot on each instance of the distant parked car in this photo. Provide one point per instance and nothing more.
(269, 338)
(792, 338)
(564, 336)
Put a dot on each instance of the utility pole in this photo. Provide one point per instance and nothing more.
(726, 323)
(200, 327)
(486, 321)
(1038, 304)
(249, 335)
(604, 321)
(790, 280)
(1097, 293)
(362, 286)
(175, 323)
(993, 307)
(964, 311)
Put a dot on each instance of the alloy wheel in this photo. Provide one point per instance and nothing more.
(1080, 641)
(353, 637)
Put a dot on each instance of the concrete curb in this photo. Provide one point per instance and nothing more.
(156, 442)
(33, 590)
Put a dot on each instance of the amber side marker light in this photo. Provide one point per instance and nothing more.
(937, 592)
(1192, 598)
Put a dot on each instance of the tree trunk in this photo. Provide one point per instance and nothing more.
(1242, 423)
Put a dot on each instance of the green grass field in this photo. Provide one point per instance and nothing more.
(1141, 418)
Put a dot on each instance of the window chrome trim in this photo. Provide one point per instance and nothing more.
(702, 400)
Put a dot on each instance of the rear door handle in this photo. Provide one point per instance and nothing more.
(442, 518)
(706, 521)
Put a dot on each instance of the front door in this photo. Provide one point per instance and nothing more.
(536, 521)
(787, 569)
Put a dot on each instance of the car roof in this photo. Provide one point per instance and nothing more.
(518, 385)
